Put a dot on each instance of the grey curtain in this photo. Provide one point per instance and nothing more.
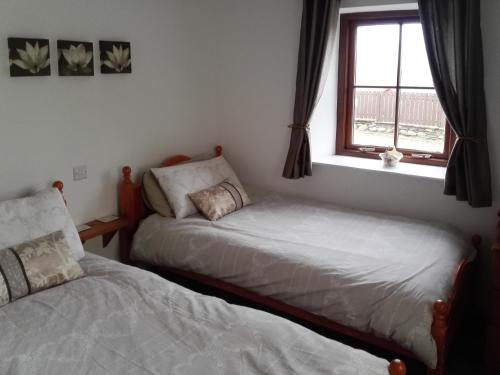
(319, 21)
(452, 34)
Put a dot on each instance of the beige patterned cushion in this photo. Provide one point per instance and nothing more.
(220, 200)
(179, 181)
(35, 216)
(36, 265)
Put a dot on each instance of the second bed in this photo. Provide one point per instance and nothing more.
(391, 281)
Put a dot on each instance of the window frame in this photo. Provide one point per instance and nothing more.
(346, 86)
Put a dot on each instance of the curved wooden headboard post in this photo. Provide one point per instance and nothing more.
(397, 367)
(177, 159)
(59, 186)
(129, 196)
(218, 150)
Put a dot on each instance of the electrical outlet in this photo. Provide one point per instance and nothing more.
(80, 173)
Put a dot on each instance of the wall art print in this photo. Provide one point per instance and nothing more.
(29, 57)
(75, 58)
(115, 57)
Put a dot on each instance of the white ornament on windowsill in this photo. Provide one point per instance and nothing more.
(391, 157)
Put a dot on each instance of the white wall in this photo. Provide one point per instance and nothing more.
(50, 124)
(204, 72)
(258, 82)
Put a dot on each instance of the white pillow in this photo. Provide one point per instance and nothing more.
(26, 219)
(180, 180)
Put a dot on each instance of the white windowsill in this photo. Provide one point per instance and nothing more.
(408, 169)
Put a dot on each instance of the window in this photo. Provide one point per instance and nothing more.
(386, 92)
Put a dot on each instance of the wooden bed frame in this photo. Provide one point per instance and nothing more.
(396, 366)
(446, 314)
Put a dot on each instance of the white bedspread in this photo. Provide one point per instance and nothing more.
(120, 320)
(372, 272)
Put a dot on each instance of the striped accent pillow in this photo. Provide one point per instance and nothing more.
(36, 265)
(220, 200)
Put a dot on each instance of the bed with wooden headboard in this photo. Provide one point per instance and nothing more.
(446, 314)
(78, 313)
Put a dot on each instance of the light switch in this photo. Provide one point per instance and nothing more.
(80, 173)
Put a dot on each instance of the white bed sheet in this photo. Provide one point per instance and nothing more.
(373, 272)
(120, 320)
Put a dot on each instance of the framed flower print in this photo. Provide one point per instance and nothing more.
(29, 57)
(75, 58)
(115, 57)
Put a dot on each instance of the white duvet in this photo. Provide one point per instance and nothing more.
(120, 320)
(372, 272)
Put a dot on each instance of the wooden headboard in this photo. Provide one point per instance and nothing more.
(132, 205)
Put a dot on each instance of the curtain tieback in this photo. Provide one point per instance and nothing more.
(298, 126)
(471, 139)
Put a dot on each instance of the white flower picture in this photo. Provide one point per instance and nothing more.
(29, 57)
(75, 58)
(115, 57)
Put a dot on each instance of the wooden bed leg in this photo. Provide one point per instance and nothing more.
(397, 367)
(440, 335)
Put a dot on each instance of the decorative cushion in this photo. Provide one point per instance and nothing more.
(153, 196)
(220, 200)
(180, 180)
(28, 218)
(36, 265)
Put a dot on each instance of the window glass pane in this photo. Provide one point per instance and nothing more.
(377, 50)
(374, 117)
(415, 69)
(421, 121)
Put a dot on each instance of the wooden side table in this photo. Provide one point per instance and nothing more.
(104, 230)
